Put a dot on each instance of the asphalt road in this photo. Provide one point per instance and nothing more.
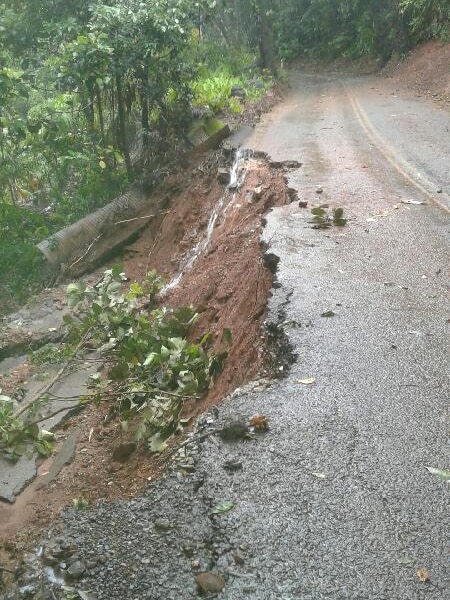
(334, 501)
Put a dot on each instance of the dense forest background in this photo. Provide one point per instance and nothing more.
(93, 94)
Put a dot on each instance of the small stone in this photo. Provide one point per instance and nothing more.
(91, 564)
(210, 583)
(232, 465)
(195, 564)
(162, 524)
(28, 591)
(76, 570)
(238, 559)
(258, 192)
(319, 190)
(303, 204)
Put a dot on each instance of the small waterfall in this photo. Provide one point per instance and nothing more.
(200, 247)
(239, 168)
(238, 172)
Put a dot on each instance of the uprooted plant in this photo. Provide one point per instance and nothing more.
(323, 220)
(149, 368)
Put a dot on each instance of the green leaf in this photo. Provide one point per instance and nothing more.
(318, 212)
(157, 443)
(441, 474)
(338, 213)
(222, 508)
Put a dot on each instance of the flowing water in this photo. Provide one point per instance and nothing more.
(238, 172)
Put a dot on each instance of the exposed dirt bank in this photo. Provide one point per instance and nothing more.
(426, 71)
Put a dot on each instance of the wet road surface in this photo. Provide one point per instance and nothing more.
(334, 501)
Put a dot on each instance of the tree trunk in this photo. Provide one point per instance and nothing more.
(266, 36)
(98, 95)
(122, 130)
(145, 125)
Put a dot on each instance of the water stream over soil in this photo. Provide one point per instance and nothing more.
(238, 173)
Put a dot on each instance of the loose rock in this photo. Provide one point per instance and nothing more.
(209, 583)
(76, 570)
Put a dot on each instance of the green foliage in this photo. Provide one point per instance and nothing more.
(214, 92)
(152, 367)
(332, 28)
(427, 18)
(21, 264)
(20, 436)
(323, 220)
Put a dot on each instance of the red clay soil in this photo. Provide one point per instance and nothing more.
(229, 285)
(426, 70)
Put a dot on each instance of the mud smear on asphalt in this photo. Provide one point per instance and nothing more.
(207, 245)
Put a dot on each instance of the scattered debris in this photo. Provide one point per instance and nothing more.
(163, 525)
(328, 313)
(232, 465)
(306, 381)
(222, 508)
(285, 164)
(415, 202)
(209, 582)
(441, 474)
(80, 503)
(422, 575)
(322, 220)
(259, 423)
(319, 475)
(393, 284)
(234, 432)
(223, 176)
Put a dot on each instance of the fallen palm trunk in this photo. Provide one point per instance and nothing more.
(82, 244)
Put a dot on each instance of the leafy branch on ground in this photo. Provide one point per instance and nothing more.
(323, 220)
(150, 366)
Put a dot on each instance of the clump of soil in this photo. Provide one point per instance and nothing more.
(228, 283)
(426, 70)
